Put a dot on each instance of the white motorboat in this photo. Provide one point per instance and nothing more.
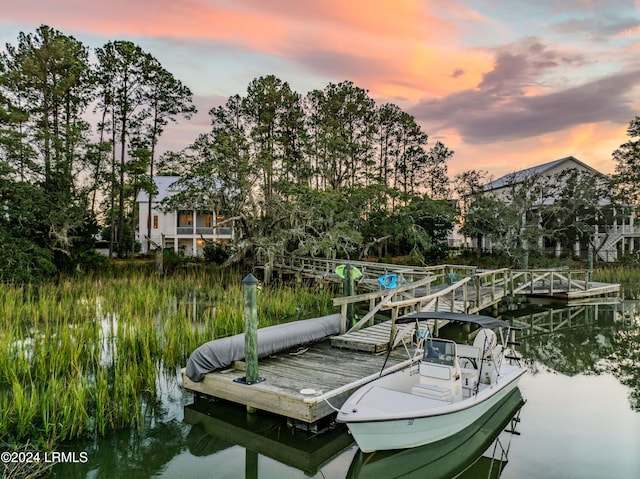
(478, 451)
(447, 389)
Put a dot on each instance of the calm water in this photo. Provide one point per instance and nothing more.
(581, 420)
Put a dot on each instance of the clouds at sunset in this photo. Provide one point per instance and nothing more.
(504, 87)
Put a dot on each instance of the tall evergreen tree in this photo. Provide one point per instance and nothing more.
(435, 172)
(48, 76)
(123, 69)
(273, 117)
(342, 134)
(412, 152)
(47, 82)
(389, 142)
(168, 98)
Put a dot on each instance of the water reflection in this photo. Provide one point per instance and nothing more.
(126, 453)
(567, 347)
(220, 425)
(583, 339)
(142, 452)
(477, 452)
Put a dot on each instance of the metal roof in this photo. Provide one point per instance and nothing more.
(522, 175)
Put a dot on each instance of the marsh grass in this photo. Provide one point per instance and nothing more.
(617, 274)
(83, 356)
(626, 275)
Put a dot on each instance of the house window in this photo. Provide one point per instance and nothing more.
(185, 218)
(208, 220)
(155, 222)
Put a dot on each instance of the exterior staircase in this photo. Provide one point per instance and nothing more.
(608, 251)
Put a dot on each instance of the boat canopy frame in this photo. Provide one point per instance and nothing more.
(480, 320)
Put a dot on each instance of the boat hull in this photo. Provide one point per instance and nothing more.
(443, 459)
(426, 428)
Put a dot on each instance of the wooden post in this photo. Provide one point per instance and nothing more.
(465, 298)
(393, 332)
(348, 291)
(372, 304)
(505, 290)
(250, 290)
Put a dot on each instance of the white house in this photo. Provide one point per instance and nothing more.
(610, 240)
(184, 229)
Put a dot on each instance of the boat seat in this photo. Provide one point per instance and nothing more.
(431, 391)
(468, 355)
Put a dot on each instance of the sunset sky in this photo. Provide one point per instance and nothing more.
(504, 84)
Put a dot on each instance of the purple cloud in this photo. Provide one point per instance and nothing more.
(499, 109)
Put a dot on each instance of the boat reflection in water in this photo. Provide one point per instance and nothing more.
(458, 456)
(220, 425)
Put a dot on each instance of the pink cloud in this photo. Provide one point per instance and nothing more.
(194, 19)
(591, 143)
(395, 48)
(416, 53)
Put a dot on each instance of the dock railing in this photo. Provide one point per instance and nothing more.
(549, 280)
(436, 292)
(446, 287)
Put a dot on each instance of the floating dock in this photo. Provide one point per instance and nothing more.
(304, 384)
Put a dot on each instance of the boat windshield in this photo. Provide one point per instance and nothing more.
(439, 351)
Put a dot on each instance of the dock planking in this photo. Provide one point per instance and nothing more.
(374, 339)
(333, 373)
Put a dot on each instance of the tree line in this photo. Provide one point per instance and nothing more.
(62, 177)
(329, 173)
(78, 135)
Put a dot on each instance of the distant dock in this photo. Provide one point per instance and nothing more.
(445, 287)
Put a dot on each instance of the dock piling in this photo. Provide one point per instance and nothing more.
(250, 291)
(349, 291)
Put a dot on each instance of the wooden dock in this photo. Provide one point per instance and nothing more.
(333, 374)
(307, 385)
(374, 339)
(446, 287)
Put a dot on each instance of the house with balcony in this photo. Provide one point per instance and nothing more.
(615, 234)
(184, 229)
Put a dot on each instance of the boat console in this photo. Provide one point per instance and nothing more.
(439, 371)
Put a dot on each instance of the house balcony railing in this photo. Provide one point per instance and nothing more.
(623, 229)
(219, 231)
